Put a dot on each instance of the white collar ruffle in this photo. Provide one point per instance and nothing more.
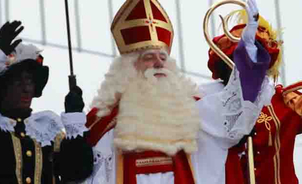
(42, 126)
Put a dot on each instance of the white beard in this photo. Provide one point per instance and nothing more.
(154, 114)
(157, 114)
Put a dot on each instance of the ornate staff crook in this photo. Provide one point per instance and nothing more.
(231, 64)
(71, 77)
(216, 49)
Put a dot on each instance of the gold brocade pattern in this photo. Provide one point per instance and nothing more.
(18, 157)
(277, 145)
(264, 118)
(39, 162)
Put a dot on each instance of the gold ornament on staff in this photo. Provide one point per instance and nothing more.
(231, 64)
(206, 20)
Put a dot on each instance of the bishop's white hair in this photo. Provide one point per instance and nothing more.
(121, 73)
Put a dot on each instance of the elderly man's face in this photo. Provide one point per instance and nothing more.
(152, 58)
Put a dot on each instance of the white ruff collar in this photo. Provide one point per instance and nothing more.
(41, 126)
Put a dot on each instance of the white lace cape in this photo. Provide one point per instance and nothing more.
(225, 119)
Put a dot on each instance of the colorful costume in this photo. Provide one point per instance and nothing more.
(40, 147)
(278, 124)
(273, 141)
(190, 151)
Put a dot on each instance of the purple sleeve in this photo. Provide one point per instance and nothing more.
(251, 74)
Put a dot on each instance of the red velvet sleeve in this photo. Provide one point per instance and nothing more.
(99, 126)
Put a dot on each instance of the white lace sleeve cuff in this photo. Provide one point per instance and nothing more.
(44, 127)
(74, 124)
(6, 124)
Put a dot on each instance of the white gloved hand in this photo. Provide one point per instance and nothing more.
(249, 32)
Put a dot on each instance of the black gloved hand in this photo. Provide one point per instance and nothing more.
(74, 101)
(8, 32)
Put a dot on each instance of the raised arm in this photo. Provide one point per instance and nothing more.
(230, 113)
(74, 161)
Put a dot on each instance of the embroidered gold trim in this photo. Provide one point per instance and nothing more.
(277, 145)
(119, 167)
(18, 157)
(56, 148)
(39, 162)
(264, 118)
(57, 143)
(154, 161)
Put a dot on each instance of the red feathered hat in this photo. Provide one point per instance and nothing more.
(228, 47)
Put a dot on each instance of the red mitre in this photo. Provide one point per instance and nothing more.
(228, 47)
(142, 24)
